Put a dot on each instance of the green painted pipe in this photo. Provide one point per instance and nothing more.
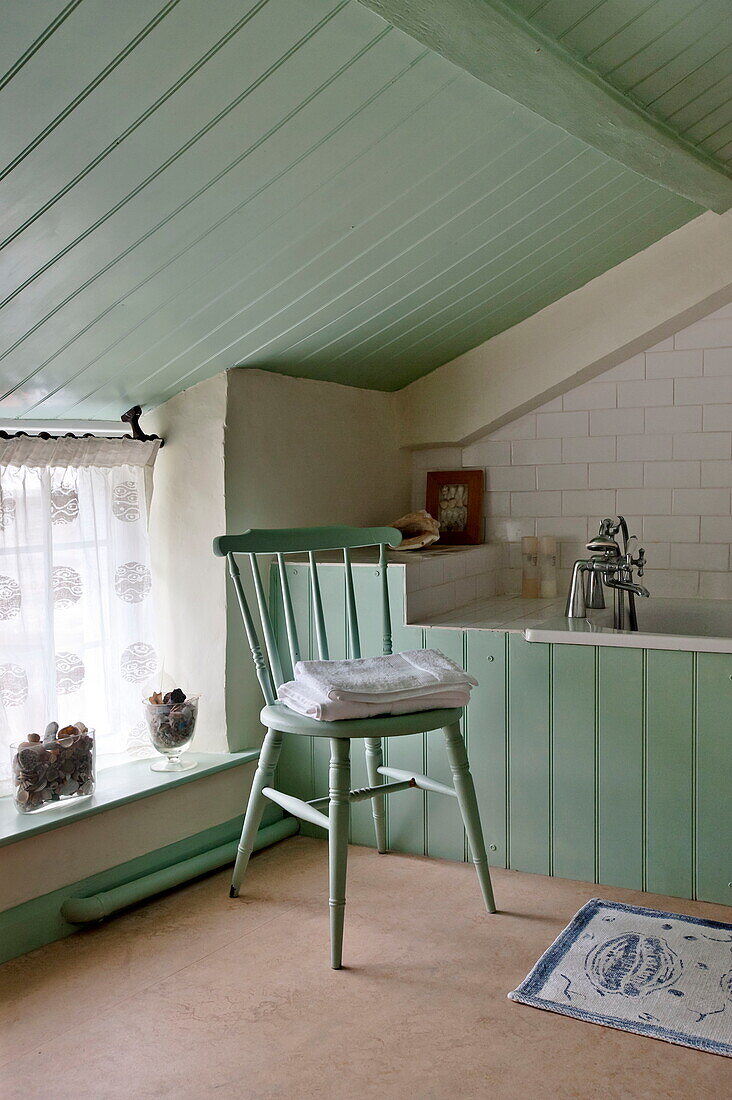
(99, 906)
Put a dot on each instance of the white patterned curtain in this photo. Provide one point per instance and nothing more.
(77, 629)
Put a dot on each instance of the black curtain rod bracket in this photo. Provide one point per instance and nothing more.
(131, 417)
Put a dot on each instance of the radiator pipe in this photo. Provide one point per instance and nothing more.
(107, 902)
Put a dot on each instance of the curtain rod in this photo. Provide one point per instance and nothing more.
(131, 417)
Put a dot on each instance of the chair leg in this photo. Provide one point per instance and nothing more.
(338, 816)
(263, 777)
(374, 760)
(463, 783)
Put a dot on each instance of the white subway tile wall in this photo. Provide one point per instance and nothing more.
(651, 438)
(439, 581)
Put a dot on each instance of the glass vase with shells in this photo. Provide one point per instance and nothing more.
(54, 768)
(171, 723)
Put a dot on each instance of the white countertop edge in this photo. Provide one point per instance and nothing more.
(628, 640)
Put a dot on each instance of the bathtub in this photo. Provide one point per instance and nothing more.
(703, 626)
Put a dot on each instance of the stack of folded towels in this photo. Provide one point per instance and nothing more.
(401, 683)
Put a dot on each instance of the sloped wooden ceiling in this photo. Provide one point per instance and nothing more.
(288, 184)
(671, 57)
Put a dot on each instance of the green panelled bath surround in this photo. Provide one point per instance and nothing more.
(593, 763)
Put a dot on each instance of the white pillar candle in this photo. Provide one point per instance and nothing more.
(547, 566)
(530, 562)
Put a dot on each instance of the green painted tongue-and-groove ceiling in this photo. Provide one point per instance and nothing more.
(300, 186)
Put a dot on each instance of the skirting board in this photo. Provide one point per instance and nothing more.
(39, 921)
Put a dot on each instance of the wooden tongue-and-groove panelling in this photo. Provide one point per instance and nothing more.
(295, 185)
(594, 763)
(672, 57)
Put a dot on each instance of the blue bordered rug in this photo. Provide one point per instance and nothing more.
(658, 974)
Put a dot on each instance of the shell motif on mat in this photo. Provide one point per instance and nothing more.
(9, 598)
(418, 529)
(632, 964)
(69, 673)
(64, 506)
(138, 662)
(7, 512)
(13, 685)
(132, 582)
(126, 502)
(67, 586)
(725, 983)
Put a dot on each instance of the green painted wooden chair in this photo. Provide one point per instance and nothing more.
(279, 719)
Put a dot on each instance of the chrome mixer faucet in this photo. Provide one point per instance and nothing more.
(613, 568)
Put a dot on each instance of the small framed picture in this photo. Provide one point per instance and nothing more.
(455, 499)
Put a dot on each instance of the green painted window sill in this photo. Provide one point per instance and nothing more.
(115, 787)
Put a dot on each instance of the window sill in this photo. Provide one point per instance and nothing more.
(115, 787)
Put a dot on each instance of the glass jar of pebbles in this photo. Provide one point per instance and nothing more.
(171, 723)
(53, 769)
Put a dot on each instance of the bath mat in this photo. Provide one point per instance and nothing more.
(657, 974)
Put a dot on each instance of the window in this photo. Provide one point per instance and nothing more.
(76, 613)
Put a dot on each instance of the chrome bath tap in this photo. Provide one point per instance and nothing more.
(613, 568)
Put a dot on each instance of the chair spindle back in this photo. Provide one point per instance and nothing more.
(309, 540)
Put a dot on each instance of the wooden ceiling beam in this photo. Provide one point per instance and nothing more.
(495, 44)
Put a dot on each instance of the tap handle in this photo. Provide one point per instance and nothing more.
(640, 561)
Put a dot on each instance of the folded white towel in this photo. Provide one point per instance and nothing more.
(398, 676)
(301, 698)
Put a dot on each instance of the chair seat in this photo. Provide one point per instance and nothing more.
(279, 717)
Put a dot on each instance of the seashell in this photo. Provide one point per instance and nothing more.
(81, 727)
(50, 731)
(34, 738)
(632, 964)
(29, 758)
(419, 530)
(67, 731)
(156, 699)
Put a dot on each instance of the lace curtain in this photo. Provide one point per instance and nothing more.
(77, 628)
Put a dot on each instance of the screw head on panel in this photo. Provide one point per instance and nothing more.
(493, 849)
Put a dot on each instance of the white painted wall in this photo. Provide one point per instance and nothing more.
(187, 512)
(650, 438)
(623, 312)
(254, 449)
(302, 453)
(43, 863)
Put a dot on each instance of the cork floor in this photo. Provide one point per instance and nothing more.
(194, 995)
